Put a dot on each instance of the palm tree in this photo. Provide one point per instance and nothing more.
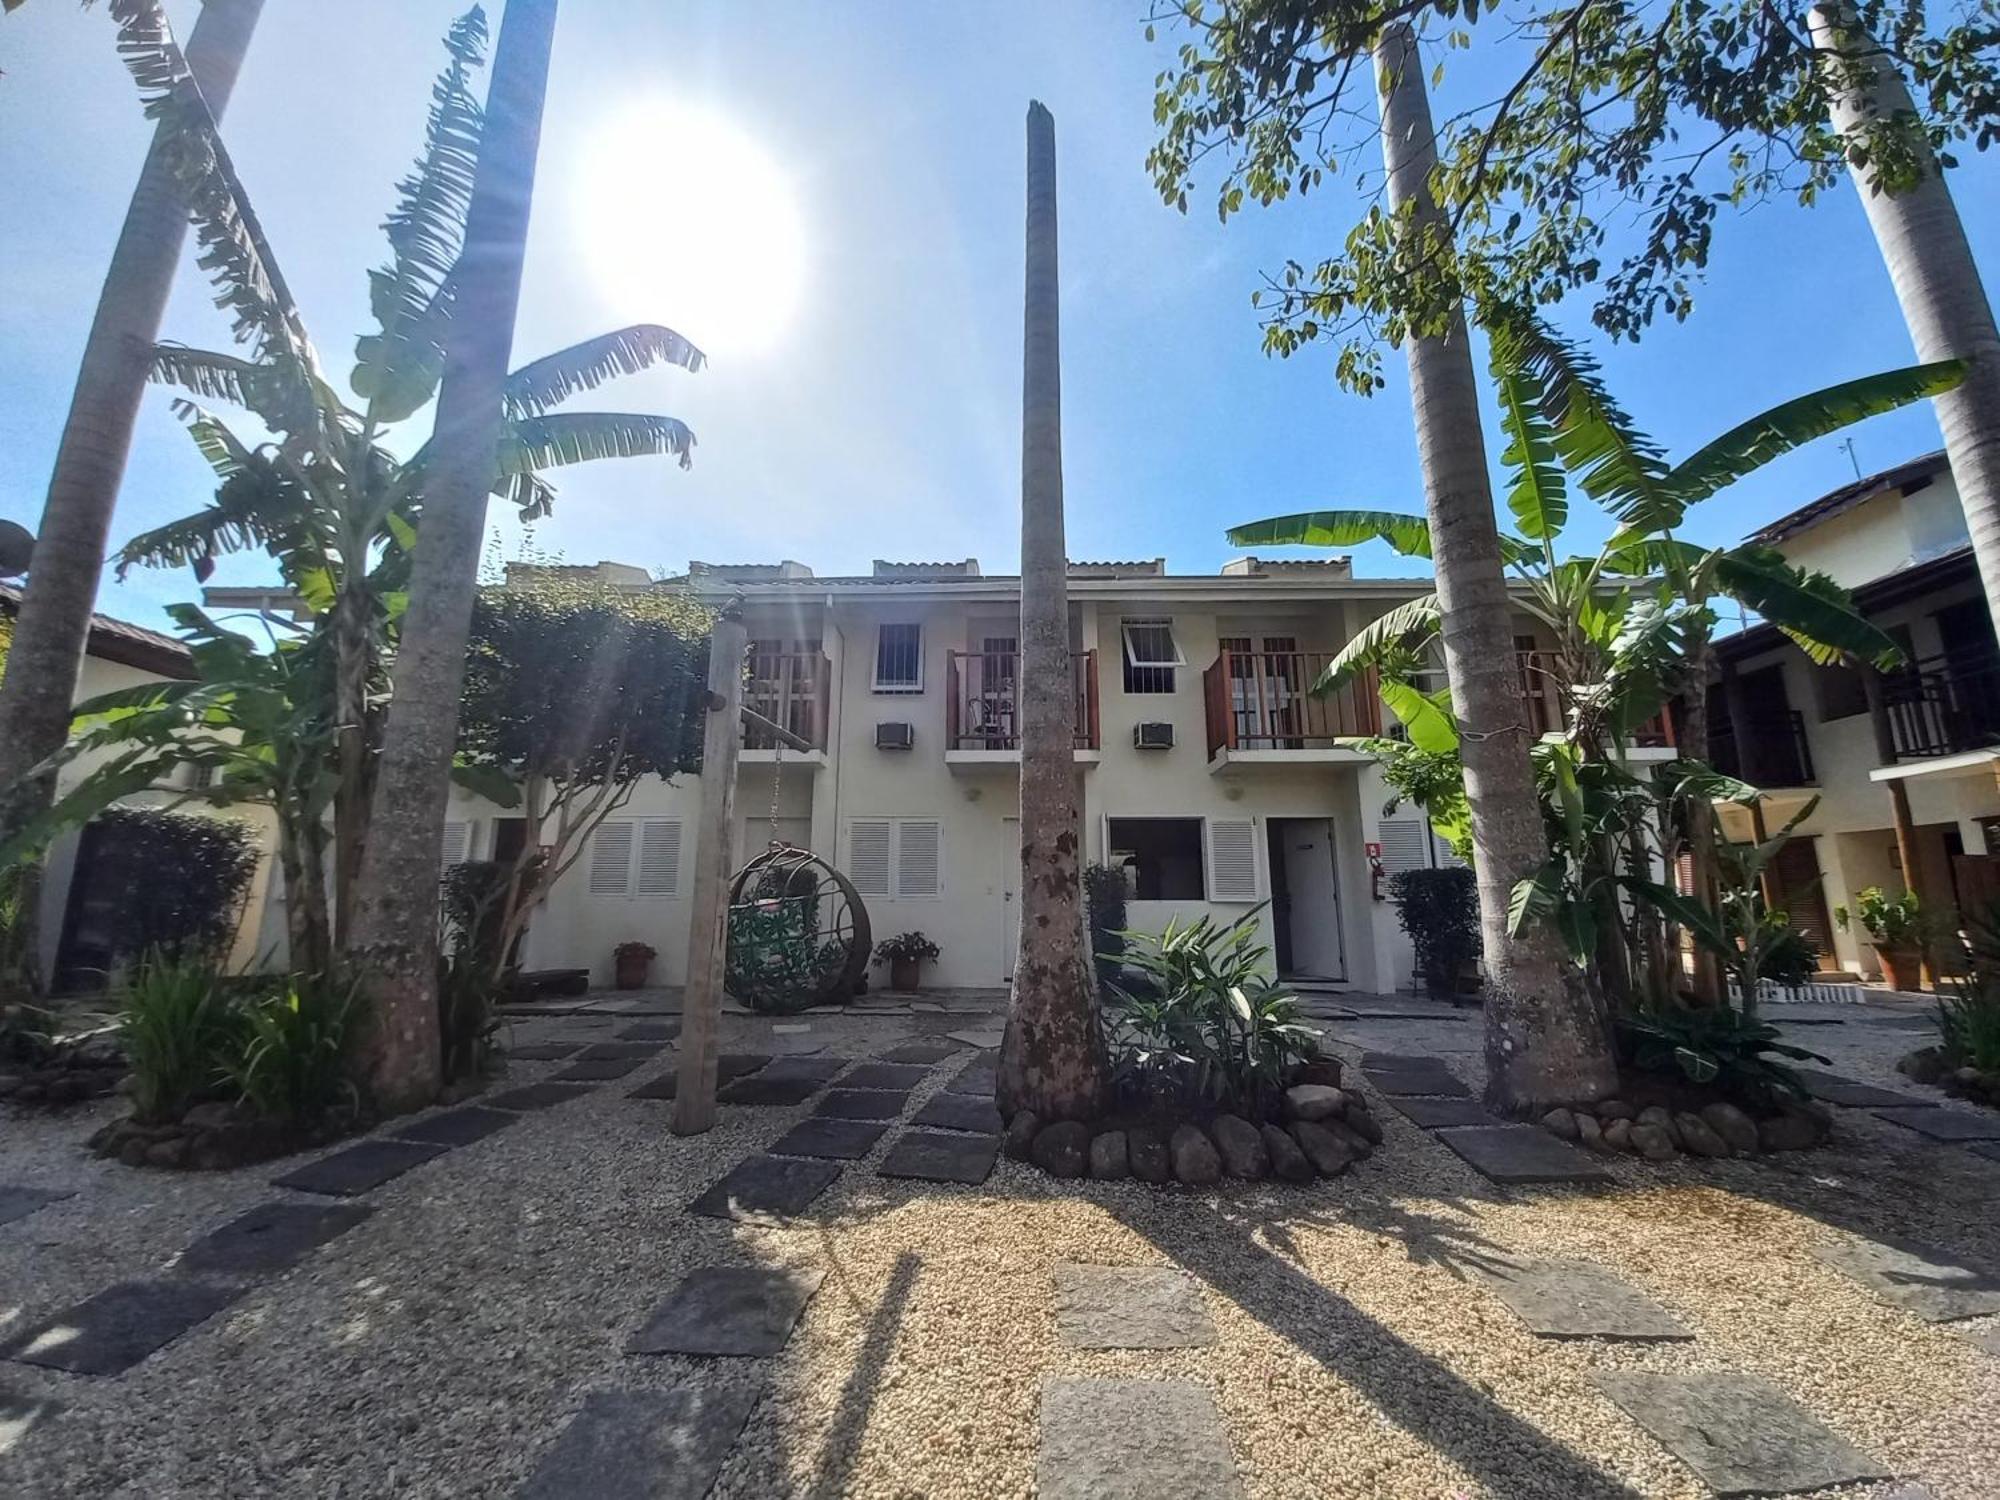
(1546, 1041)
(395, 933)
(1052, 1058)
(61, 591)
(1923, 241)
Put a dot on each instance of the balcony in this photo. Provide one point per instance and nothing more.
(982, 707)
(1261, 708)
(790, 689)
(1771, 750)
(1540, 678)
(1940, 707)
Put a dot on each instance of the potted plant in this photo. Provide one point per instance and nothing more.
(631, 962)
(905, 954)
(1897, 928)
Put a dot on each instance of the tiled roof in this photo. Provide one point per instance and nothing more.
(123, 642)
(1850, 495)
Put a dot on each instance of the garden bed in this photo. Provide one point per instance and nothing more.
(1661, 1118)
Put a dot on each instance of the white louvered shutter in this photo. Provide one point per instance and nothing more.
(457, 840)
(1441, 854)
(1404, 843)
(919, 858)
(611, 858)
(868, 856)
(660, 857)
(1232, 859)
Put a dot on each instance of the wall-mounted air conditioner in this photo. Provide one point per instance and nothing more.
(895, 736)
(1157, 736)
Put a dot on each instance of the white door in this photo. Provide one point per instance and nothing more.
(1010, 895)
(1314, 889)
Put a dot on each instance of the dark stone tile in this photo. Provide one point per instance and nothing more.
(1988, 1149)
(536, 1096)
(648, 1031)
(1130, 1307)
(600, 1071)
(1945, 1124)
(1121, 1439)
(931, 1157)
(456, 1127)
(978, 1077)
(666, 1086)
(885, 1076)
(643, 1445)
(19, 1202)
(270, 1238)
(1917, 1278)
(620, 1051)
(836, 1140)
(1434, 1114)
(739, 1310)
(766, 1188)
(111, 1332)
(922, 1052)
(1830, 1088)
(864, 1104)
(813, 1069)
(960, 1112)
(762, 1090)
(1740, 1433)
(736, 1064)
(1986, 1341)
(543, 1051)
(1571, 1300)
(1433, 1081)
(1400, 1062)
(1522, 1153)
(361, 1167)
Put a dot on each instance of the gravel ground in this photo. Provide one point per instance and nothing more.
(439, 1348)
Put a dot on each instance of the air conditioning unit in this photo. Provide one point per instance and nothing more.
(1157, 736)
(895, 736)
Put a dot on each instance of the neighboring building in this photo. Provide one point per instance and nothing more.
(1208, 772)
(1898, 541)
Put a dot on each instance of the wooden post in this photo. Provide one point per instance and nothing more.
(714, 853)
(1899, 803)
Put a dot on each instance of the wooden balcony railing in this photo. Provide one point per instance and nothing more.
(1540, 680)
(982, 700)
(1262, 700)
(788, 688)
(1938, 706)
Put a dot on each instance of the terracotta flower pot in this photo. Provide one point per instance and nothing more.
(630, 971)
(904, 973)
(1902, 967)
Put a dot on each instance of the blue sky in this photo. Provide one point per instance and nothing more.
(883, 419)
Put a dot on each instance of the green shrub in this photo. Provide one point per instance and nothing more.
(1786, 956)
(1439, 909)
(1716, 1045)
(1207, 1028)
(293, 1065)
(471, 907)
(181, 1034)
(1969, 1006)
(1105, 892)
(177, 881)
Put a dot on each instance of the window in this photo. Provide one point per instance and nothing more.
(898, 859)
(899, 658)
(1161, 857)
(611, 858)
(1840, 690)
(457, 843)
(1151, 654)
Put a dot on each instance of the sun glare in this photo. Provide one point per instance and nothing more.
(687, 221)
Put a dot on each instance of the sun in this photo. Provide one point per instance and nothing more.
(687, 221)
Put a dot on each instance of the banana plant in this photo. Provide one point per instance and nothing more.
(326, 496)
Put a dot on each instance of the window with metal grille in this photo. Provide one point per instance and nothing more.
(1151, 655)
(899, 659)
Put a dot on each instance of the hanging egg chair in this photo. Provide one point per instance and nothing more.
(798, 933)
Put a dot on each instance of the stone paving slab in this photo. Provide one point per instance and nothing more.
(735, 1064)
(543, 1051)
(1573, 1300)
(1133, 1440)
(766, 1189)
(922, 1052)
(1850, 1093)
(978, 1077)
(1434, 1114)
(1920, 1279)
(19, 1202)
(1986, 1340)
(270, 1238)
(1988, 1149)
(980, 1039)
(1521, 1154)
(456, 1127)
(1433, 1081)
(1945, 1124)
(1400, 1062)
(362, 1167)
(864, 1104)
(648, 1031)
(734, 1310)
(835, 1140)
(811, 1069)
(112, 1331)
(666, 1086)
(932, 1157)
(536, 1096)
(760, 1089)
(882, 1075)
(644, 1445)
(601, 1070)
(1130, 1307)
(1740, 1433)
(615, 1051)
(960, 1112)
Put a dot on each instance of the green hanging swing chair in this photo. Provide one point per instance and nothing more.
(798, 933)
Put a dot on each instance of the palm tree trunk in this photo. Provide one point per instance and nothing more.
(1936, 279)
(1546, 1041)
(394, 940)
(352, 669)
(46, 654)
(1052, 1058)
(1708, 978)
